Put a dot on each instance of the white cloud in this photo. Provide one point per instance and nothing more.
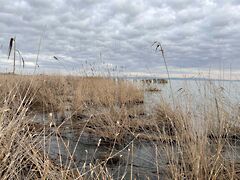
(195, 33)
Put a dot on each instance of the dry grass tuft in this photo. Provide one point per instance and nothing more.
(105, 92)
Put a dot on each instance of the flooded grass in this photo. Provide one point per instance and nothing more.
(67, 127)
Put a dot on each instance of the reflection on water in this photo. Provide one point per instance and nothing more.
(141, 159)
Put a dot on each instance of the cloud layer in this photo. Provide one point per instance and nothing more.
(196, 34)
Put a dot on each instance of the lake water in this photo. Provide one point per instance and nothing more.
(193, 90)
(195, 97)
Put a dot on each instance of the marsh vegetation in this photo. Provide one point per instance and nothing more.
(69, 127)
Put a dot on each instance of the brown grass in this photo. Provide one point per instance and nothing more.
(203, 154)
(53, 93)
(105, 92)
(112, 111)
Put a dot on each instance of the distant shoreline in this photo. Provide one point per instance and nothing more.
(182, 79)
(136, 77)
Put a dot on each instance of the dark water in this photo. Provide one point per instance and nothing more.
(138, 159)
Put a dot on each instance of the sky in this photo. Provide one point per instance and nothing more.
(198, 36)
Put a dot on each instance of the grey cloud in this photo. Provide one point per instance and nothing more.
(195, 34)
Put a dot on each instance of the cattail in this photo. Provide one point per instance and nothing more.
(11, 43)
(10, 46)
(55, 58)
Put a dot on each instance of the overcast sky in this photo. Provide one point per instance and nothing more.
(197, 35)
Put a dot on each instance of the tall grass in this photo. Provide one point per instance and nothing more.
(112, 113)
